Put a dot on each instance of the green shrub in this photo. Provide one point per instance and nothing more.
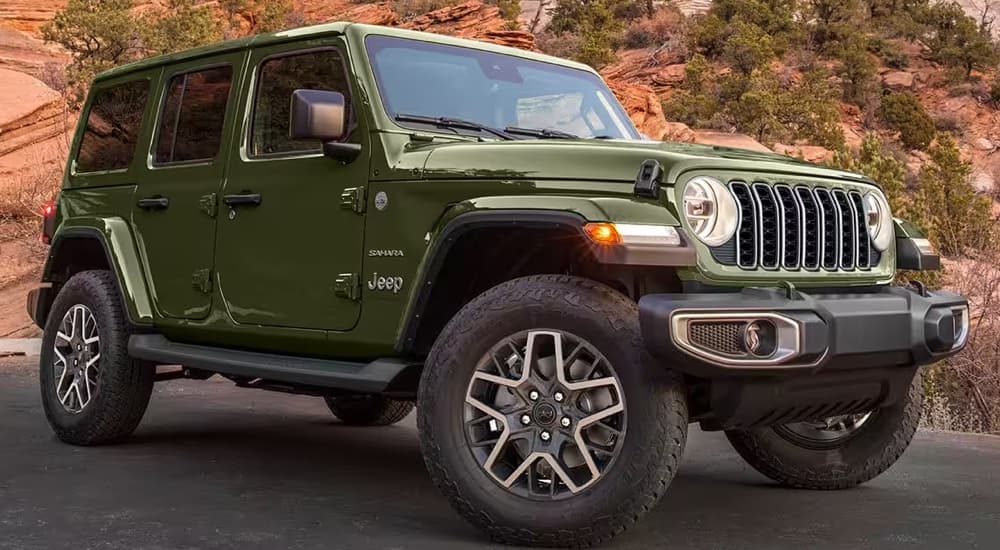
(956, 218)
(891, 54)
(995, 88)
(748, 48)
(857, 73)
(955, 39)
(902, 112)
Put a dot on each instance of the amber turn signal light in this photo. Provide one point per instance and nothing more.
(603, 233)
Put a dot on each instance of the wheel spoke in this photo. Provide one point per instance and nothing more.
(59, 334)
(551, 367)
(93, 360)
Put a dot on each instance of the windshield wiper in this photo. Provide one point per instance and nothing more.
(456, 123)
(540, 132)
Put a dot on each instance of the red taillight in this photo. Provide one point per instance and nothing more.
(48, 222)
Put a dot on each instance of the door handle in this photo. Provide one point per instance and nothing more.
(154, 203)
(244, 199)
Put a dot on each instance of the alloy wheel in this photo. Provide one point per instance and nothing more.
(77, 350)
(544, 414)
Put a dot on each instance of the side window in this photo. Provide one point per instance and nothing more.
(194, 111)
(277, 79)
(112, 129)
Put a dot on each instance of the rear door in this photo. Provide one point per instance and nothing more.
(174, 213)
(290, 254)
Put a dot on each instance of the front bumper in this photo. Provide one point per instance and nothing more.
(833, 353)
(706, 334)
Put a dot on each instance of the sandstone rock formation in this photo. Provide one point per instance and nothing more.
(23, 53)
(33, 125)
(474, 20)
(643, 107)
(29, 15)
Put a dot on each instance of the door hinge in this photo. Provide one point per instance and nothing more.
(201, 280)
(353, 198)
(348, 285)
(208, 204)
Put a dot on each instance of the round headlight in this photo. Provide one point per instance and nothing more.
(710, 210)
(879, 220)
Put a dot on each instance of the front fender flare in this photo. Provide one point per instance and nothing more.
(520, 212)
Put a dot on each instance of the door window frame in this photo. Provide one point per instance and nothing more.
(254, 90)
(234, 84)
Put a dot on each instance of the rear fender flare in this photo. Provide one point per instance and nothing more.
(115, 238)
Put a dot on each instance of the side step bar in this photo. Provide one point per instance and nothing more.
(374, 377)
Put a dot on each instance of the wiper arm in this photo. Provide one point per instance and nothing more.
(448, 122)
(540, 132)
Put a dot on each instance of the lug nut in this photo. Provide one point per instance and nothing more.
(525, 419)
(565, 422)
(546, 436)
(559, 396)
(533, 395)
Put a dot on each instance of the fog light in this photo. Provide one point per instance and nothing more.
(760, 338)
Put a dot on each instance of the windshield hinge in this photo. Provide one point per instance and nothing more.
(208, 203)
(353, 198)
(348, 285)
(201, 280)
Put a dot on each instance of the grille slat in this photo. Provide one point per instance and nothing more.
(797, 227)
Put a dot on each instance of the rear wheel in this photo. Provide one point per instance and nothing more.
(541, 417)
(92, 391)
(836, 452)
(368, 410)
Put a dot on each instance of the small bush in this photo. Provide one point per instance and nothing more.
(412, 8)
(665, 28)
(957, 219)
(857, 73)
(902, 112)
(891, 54)
(995, 89)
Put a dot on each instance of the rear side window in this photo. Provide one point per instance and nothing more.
(194, 112)
(112, 129)
(278, 78)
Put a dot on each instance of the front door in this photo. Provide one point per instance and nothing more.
(288, 233)
(173, 214)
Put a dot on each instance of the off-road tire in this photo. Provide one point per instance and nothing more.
(124, 385)
(368, 410)
(654, 397)
(877, 446)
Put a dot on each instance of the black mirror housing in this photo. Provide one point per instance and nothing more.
(318, 114)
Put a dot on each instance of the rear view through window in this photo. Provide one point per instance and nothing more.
(112, 129)
(194, 112)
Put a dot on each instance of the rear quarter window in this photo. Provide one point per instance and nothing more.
(112, 129)
(193, 116)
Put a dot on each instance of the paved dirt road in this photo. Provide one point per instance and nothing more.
(217, 467)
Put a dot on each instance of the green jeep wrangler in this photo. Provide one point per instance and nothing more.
(390, 219)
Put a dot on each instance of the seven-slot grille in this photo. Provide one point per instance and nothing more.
(800, 227)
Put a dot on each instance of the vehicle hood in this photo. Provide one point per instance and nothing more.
(604, 160)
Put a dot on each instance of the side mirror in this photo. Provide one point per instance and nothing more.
(322, 115)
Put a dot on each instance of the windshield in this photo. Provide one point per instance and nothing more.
(424, 79)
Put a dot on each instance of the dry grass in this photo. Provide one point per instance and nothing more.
(964, 391)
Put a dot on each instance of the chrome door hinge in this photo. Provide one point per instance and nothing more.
(348, 285)
(353, 198)
(208, 204)
(201, 280)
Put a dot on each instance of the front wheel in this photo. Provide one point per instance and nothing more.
(836, 452)
(541, 417)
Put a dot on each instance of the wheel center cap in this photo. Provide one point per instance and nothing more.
(545, 414)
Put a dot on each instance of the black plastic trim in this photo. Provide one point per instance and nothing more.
(882, 327)
(909, 256)
(373, 377)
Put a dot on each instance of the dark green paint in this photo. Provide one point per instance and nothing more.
(274, 268)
